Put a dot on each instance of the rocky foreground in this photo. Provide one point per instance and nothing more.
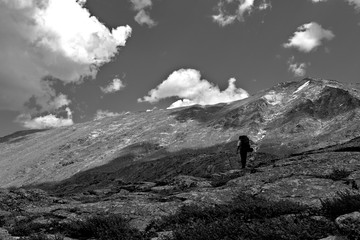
(307, 179)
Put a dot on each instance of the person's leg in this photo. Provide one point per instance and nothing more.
(243, 155)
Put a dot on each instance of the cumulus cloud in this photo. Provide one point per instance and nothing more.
(226, 14)
(114, 86)
(81, 2)
(142, 17)
(100, 114)
(355, 3)
(298, 69)
(47, 121)
(59, 101)
(308, 37)
(188, 85)
(40, 38)
(317, 1)
(265, 5)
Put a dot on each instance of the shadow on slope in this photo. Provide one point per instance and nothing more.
(350, 146)
(19, 135)
(156, 165)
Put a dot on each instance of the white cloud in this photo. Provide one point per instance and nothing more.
(182, 103)
(81, 2)
(317, 1)
(243, 7)
(308, 37)
(48, 121)
(224, 20)
(141, 4)
(265, 5)
(355, 3)
(188, 85)
(114, 86)
(142, 17)
(100, 114)
(298, 69)
(41, 38)
(59, 101)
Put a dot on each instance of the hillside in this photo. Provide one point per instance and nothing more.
(147, 165)
(289, 118)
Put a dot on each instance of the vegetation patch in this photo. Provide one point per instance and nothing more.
(338, 174)
(246, 217)
(42, 236)
(111, 227)
(343, 203)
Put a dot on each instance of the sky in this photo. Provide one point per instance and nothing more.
(64, 62)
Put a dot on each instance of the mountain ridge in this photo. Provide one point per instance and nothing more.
(289, 118)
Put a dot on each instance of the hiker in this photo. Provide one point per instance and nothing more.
(243, 146)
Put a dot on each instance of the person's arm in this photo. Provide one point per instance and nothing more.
(238, 147)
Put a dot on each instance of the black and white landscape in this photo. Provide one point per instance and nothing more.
(120, 119)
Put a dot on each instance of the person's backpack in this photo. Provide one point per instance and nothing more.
(245, 141)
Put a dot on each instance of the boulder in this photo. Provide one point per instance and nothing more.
(349, 223)
(334, 238)
(4, 235)
(163, 189)
(163, 235)
(184, 182)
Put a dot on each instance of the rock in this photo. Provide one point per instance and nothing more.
(334, 238)
(101, 192)
(349, 223)
(140, 223)
(4, 235)
(163, 235)
(184, 182)
(4, 214)
(42, 221)
(65, 214)
(163, 189)
(145, 186)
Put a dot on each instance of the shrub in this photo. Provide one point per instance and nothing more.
(246, 217)
(242, 208)
(343, 203)
(111, 227)
(338, 174)
(274, 228)
(25, 228)
(255, 207)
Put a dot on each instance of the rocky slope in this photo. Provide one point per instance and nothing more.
(289, 118)
(146, 165)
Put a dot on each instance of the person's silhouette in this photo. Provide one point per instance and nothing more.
(243, 146)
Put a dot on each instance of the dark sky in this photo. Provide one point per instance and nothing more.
(182, 34)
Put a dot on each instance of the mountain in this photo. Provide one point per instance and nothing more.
(290, 118)
(148, 164)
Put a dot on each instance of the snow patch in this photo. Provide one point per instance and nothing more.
(260, 135)
(273, 98)
(302, 86)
